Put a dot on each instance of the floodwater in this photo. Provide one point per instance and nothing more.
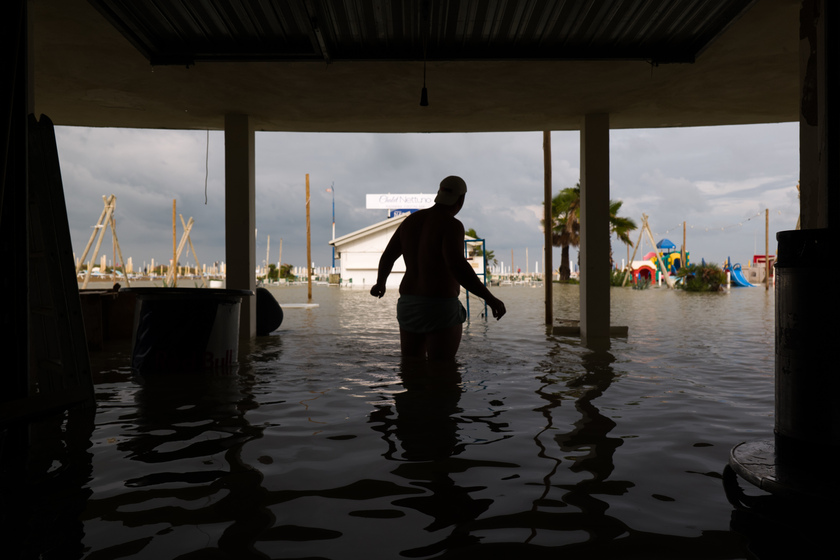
(323, 445)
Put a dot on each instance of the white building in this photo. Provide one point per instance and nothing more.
(361, 250)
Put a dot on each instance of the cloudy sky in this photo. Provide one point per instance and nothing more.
(718, 180)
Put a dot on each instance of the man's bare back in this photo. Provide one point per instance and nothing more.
(431, 242)
(428, 240)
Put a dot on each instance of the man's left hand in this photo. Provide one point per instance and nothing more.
(377, 290)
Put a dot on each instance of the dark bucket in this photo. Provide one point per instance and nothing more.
(186, 330)
(807, 379)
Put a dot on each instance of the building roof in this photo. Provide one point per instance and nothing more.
(373, 229)
(359, 234)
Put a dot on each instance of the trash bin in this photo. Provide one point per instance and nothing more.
(807, 383)
(185, 330)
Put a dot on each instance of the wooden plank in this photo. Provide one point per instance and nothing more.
(59, 371)
(574, 330)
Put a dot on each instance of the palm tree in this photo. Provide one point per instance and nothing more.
(475, 251)
(565, 231)
(620, 226)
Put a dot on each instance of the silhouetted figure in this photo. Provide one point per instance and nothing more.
(431, 242)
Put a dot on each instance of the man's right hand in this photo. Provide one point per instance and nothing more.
(377, 290)
(497, 306)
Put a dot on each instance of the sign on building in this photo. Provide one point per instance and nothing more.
(400, 212)
(399, 201)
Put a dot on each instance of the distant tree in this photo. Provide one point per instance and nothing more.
(620, 226)
(286, 271)
(701, 278)
(565, 229)
(475, 250)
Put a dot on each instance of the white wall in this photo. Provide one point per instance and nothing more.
(360, 260)
(360, 269)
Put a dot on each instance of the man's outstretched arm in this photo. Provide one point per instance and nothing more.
(464, 273)
(386, 263)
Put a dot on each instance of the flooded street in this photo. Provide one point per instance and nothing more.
(324, 446)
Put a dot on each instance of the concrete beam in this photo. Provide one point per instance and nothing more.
(595, 231)
(240, 216)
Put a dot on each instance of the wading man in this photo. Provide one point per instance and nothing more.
(431, 242)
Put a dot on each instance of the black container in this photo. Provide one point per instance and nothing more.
(186, 330)
(807, 341)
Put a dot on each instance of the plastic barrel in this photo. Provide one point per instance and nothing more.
(186, 330)
(807, 374)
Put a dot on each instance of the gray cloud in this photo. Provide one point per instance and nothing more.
(715, 178)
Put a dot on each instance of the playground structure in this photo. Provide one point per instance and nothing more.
(671, 259)
(667, 257)
(755, 274)
(666, 260)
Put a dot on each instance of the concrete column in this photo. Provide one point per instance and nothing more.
(240, 216)
(595, 231)
(547, 219)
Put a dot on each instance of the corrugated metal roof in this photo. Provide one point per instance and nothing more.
(191, 31)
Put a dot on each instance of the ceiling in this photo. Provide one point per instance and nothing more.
(359, 65)
(659, 31)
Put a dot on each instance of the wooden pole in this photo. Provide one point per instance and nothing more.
(113, 249)
(106, 220)
(195, 256)
(173, 273)
(668, 280)
(93, 234)
(627, 246)
(683, 258)
(766, 248)
(308, 245)
(548, 252)
(117, 243)
(636, 248)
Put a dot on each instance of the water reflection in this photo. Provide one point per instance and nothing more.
(587, 445)
(44, 470)
(426, 424)
(187, 435)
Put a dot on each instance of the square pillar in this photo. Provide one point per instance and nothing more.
(240, 216)
(595, 231)
(819, 121)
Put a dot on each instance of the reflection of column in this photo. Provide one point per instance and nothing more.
(589, 436)
(591, 431)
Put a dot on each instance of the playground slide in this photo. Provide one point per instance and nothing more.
(738, 278)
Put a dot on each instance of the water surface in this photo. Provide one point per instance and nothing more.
(324, 445)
